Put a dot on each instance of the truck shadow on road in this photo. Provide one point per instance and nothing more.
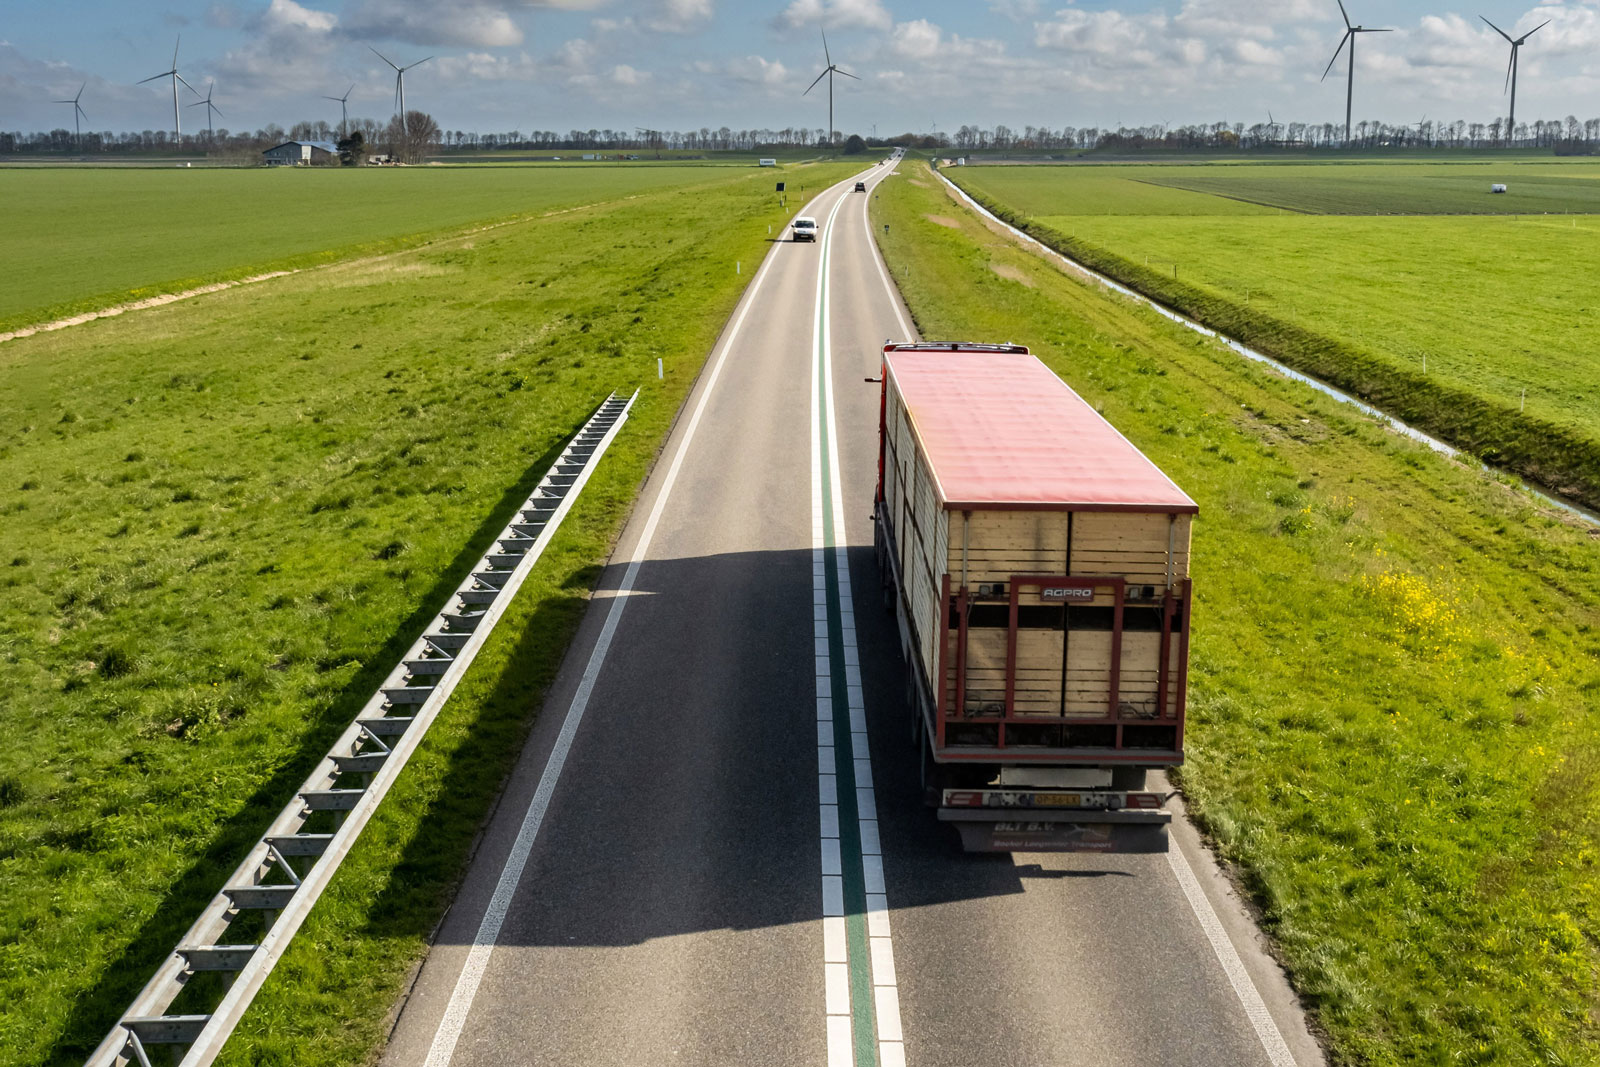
(689, 802)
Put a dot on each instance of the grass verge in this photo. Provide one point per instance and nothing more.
(1555, 455)
(224, 520)
(85, 239)
(1395, 664)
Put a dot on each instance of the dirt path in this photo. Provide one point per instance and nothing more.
(137, 305)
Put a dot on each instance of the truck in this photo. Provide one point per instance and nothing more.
(1037, 565)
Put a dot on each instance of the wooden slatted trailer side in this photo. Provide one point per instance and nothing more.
(1039, 567)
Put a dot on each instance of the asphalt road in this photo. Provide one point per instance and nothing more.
(652, 888)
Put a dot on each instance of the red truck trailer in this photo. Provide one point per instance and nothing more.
(1038, 565)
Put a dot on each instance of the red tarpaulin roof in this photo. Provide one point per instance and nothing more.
(1000, 429)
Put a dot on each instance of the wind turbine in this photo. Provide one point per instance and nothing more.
(828, 73)
(1349, 37)
(177, 126)
(77, 111)
(210, 107)
(344, 112)
(399, 84)
(1511, 68)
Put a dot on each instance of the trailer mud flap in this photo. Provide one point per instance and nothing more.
(1062, 837)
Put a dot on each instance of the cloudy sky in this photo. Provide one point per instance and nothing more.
(562, 64)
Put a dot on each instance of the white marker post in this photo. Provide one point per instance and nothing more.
(660, 373)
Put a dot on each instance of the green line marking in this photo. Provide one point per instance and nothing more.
(863, 1026)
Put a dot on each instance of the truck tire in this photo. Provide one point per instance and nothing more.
(914, 703)
(885, 579)
(1131, 779)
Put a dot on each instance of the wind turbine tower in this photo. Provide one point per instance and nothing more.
(344, 111)
(1511, 68)
(1350, 34)
(828, 72)
(210, 110)
(399, 84)
(177, 125)
(77, 112)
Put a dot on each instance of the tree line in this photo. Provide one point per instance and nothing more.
(415, 139)
(1557, 134)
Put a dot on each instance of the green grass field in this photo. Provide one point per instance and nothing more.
(222, 521)
(1497, 305)
(1415, 312)
(1390, 726)
(85, 238)
(1274, 188)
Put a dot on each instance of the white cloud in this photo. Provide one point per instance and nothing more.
(917, 39)
(467, 22)
(486, 67)
(920, 39)
(473, 23)
(622, 74)
(282, 15)
(1015, 10)
(677, 16)
(862, 14)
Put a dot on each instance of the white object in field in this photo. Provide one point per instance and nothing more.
(768, 162)
(1497, 188)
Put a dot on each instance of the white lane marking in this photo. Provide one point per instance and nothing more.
(483, 942)
(886, 995)
(835, 941)
(1255, 1008)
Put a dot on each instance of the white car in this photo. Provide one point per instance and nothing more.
(805, 228)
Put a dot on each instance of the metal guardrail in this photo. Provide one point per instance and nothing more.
(288, 868)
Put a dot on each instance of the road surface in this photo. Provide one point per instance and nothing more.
(712, 850)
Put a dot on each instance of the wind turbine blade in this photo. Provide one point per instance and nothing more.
(347, 93)
(1336, 51)
(1509, 64)
(1345, 14)
(1498, 30)
(215, 110)
(153, 77)
(175, 45)
(191, 88)
(825, 54)
(381, 56)
(81, 88)
(813, 85)
(1533, 31)
(84, 114)
(198, 103)
(846, 73)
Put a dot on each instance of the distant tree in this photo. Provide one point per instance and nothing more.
(353, 149)
(413, 141)
(854, 145)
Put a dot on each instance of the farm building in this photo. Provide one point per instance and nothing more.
(301, 153)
